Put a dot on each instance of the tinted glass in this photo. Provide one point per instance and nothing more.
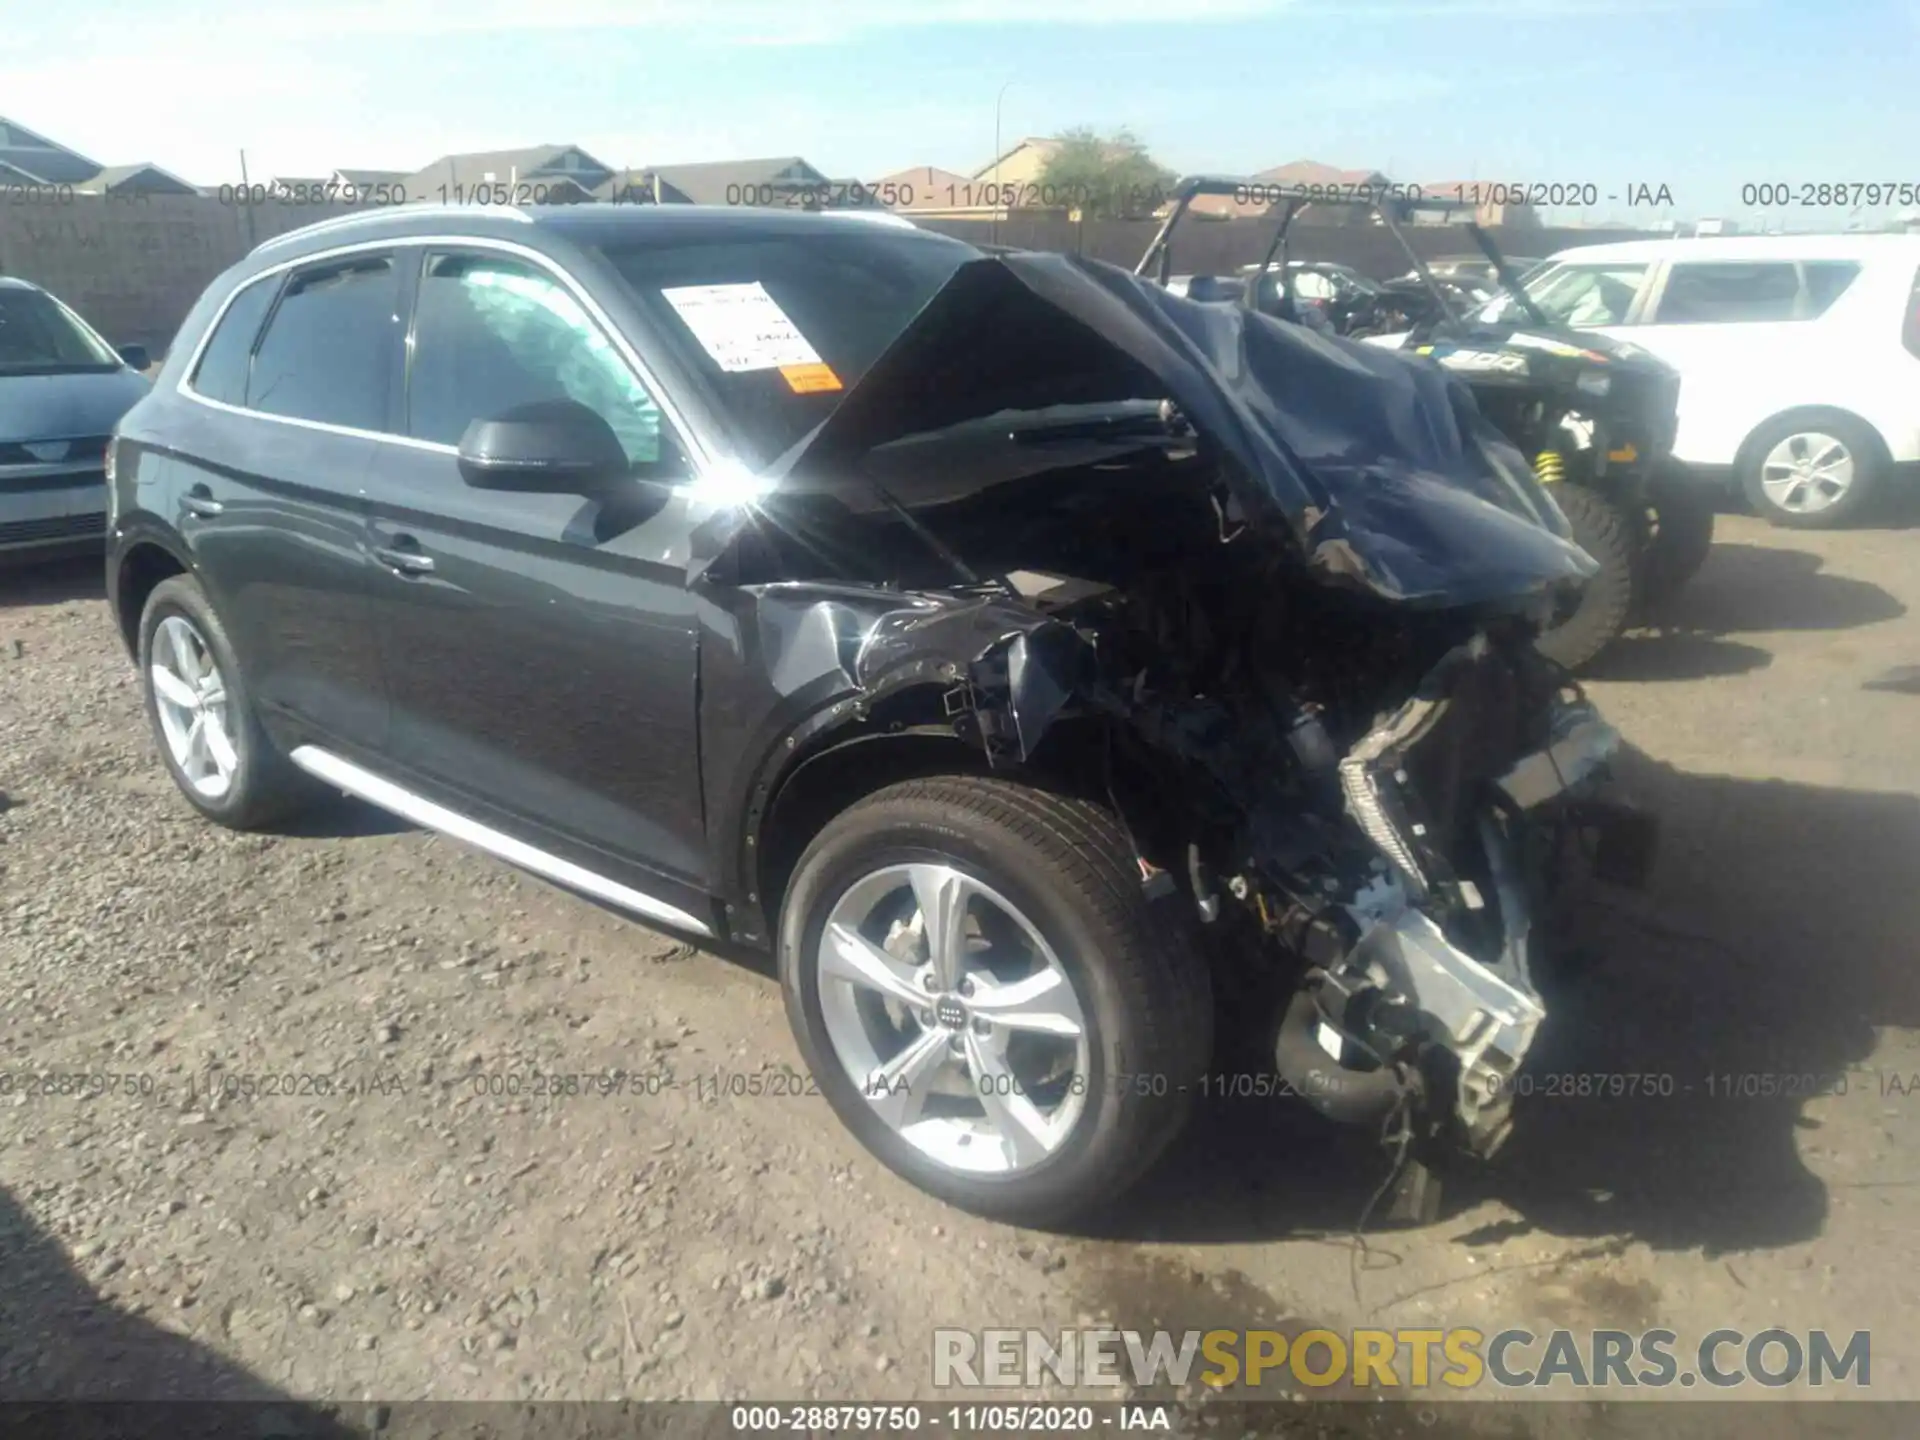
(491, 334)
(326, 352)
(1827, 280)
(1704, 294)
(39, 337)
(847, 294)
(222, 371)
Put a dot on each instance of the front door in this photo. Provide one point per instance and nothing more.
(540, 650)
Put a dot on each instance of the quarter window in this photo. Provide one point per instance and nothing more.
(1719, 294)
(222, 371)
(1827, 281)
(328, 347)
(491, 334)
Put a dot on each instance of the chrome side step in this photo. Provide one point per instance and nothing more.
(325, 765)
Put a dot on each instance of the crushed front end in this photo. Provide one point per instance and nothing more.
(1272, 597)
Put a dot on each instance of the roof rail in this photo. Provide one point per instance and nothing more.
(339, 222)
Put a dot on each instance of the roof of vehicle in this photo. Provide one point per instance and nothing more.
(1752, 247)
(581, 224)
(14, 282)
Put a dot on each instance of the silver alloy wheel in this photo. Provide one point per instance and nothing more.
(954, 1018)
(1807, 472)
(190, 696)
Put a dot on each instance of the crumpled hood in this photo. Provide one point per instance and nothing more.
(50, 407)
(1379, 468)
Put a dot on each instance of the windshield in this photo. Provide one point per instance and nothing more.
(781, 326)
(40, 336)
(1580, 296)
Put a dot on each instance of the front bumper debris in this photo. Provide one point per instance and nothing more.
(1408, 1014)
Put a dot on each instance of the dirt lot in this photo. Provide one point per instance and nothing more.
(424, 1237)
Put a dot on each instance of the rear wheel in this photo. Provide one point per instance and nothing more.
(987, 998)
(1591, 623)
(202, 714)
(1811, 474)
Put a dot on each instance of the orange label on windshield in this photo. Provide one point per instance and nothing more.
(809, 379)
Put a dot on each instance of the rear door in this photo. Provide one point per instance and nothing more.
(540, 649)
(291, 383)
(1738, 332)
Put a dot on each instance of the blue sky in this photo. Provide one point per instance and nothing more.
(1701, 95)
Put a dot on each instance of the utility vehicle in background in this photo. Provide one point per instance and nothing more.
(1594, 415)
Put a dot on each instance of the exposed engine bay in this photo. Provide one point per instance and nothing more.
(1350, 790)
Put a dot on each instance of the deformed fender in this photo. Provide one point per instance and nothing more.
(1021, 668)
(790, 669)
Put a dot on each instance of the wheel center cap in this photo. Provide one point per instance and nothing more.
(950, 1013)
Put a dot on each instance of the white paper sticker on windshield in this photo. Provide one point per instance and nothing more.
(741, 327)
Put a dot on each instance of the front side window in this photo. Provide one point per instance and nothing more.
(327, 350)
(1699, 293)
(222, 371)
(1576, 295)
(40, 336)
(491, 334)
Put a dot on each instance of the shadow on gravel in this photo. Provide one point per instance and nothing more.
(53, 582)
(342, 817)
(1779, 930)
(1741, 590)
(61, 1341)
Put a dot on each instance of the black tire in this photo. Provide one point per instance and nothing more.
(1681, 537)
(1142, 988)
(1869, 473)
(265, 785)
(1601, 612)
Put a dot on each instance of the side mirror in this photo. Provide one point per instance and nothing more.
(135, 357)
(550, 447)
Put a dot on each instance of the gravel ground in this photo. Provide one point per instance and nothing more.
(411, 1234)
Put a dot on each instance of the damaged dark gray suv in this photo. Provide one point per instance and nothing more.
(1028, 656)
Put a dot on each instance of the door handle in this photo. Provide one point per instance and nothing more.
(199, 501)
(403, 561)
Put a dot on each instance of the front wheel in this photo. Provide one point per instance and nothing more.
(1811, 474)
(1681, 512)
(988, 999)
(1590, 624)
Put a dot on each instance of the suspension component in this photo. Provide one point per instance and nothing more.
(1550, 467)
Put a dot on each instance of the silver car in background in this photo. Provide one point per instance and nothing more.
(62, 390)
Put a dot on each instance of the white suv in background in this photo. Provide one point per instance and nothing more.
(1799, 355)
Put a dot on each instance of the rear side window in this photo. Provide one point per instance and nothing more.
(328, 347)
(1729, 293)
(1827, 281)
(222, 371)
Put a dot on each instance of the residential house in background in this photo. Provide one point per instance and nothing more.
(28, 158)
(369, 184)
(638, 187)
(1313, 177)
(930, 193)
(548, 174)
(1010, 181)
(144, 179)
(1454, 202)
(781, 181)
(291, 187)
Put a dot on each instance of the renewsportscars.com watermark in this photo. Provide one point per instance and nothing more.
(1412, 1359)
